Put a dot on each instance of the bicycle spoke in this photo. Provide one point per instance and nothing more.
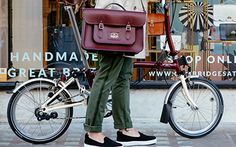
(206, 108)
(40, 91)
(30, 94)
(202, 97)
(35, 129)
(27, 122)
(178, 106)
(199, 121)
(29, 98)
(204, 117)
(26, 108)
(191, 122)
(199, 93)
(32, 126)
(51, 126)
(40, 128)
(184, 115)
(202, 102)
(181, 99)
(194, 115)
(187, 120)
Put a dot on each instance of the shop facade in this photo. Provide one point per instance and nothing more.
(37, 35)
(4, 33)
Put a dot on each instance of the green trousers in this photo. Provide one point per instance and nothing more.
(113, 75)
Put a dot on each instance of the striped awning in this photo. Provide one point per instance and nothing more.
(192, 16)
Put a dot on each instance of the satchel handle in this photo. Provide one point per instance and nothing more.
(124, 8)
(117, 5)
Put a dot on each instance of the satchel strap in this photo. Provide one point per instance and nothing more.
(115, 4)
(123, 7)
(144, 10)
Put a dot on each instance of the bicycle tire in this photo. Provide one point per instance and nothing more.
(196, 129)
(34, 131)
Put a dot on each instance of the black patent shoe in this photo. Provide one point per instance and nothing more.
(88, 142)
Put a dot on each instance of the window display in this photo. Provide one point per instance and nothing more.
(44, 27)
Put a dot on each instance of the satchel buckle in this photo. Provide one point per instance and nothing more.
(152, 23)
(101, 26)
(128, 27)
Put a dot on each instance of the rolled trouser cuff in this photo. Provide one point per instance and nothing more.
(89, 128)
(123, 126)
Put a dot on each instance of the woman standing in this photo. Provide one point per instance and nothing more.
(113, 75)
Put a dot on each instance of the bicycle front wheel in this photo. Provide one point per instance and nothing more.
(195, 123)
(24, 119)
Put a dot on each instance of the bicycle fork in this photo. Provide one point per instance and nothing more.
(167, 104)
(187, 96)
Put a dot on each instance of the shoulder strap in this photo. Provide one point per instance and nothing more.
(144, 10)
(141, 1)
(115, 4)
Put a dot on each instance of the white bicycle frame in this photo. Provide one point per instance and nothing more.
(83, 91)
(45, 107)
(185, 91)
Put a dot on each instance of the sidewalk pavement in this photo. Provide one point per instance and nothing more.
(146, 106)
(223, 136)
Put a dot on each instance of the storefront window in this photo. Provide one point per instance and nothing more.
(3, 34)
(42, 29)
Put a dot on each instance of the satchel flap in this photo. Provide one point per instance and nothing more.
(156, 18)
(114, 35)
(114, 17)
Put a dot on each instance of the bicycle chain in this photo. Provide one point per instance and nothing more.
(70, 118)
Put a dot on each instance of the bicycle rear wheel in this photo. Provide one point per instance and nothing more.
(24, 120)
(192, 123)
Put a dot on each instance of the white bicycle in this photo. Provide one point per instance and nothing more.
(41, 110)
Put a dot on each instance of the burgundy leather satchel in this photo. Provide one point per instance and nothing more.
(114, 31)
